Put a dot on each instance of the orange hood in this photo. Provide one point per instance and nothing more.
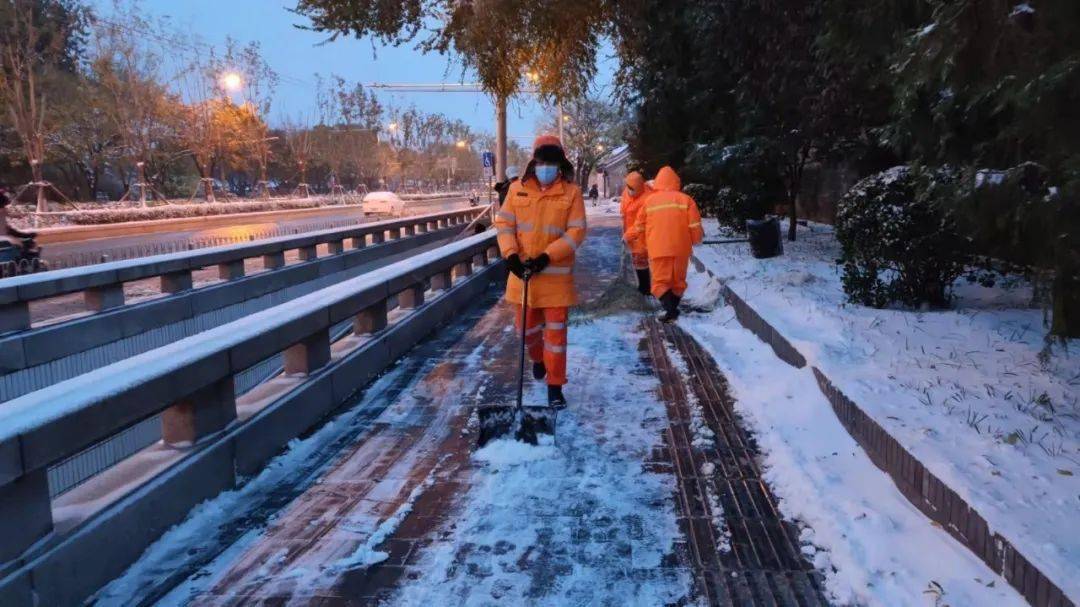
(667, 180)
(636, 181)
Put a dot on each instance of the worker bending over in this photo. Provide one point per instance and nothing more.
(671, 225)
(540, 227)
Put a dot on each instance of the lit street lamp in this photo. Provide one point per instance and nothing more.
(231, 81)
(462, 144)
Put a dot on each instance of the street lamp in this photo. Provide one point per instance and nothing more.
(231, 81)
(461, 144)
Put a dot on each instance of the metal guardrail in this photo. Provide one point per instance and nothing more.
(191, 385)
(102, 284)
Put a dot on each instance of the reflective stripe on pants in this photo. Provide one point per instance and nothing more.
(545, 339)
(668, 274)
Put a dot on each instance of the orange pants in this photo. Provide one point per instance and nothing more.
(545, 339)
(668, 274)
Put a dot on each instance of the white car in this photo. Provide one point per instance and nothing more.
(383, 203)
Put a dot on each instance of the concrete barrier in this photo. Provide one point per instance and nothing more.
(60, 562)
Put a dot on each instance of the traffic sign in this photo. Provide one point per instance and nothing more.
(489, 160)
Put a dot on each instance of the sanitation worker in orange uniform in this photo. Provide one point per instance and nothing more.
(633, 198)
(671, 224)
(540, 227)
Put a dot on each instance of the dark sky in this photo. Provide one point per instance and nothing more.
(297, 55)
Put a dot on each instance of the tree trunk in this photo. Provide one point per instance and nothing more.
(1066, 300)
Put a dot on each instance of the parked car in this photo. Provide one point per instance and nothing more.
(382, 203)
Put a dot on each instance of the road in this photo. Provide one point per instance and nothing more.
(90, 251)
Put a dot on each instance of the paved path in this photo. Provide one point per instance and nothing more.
(391, 503)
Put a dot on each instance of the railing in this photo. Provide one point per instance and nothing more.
(111, 319)
(191, 385)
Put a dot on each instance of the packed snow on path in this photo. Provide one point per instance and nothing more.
(580, 522)
(874, 547)
(965, 390)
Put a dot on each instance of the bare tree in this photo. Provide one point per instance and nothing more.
(299, 141)
(127, 67)
(36, 40)
(592, 127)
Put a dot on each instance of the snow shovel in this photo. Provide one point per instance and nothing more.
(526, 424)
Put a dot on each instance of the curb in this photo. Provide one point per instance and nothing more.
(925, 491)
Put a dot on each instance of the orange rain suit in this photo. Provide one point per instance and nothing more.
(671, 224)
(534, 221)
(629, 208)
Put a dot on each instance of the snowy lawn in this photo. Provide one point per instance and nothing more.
(579, 522)
(965, 390)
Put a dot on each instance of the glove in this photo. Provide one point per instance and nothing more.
(516, 267)
(538, 264)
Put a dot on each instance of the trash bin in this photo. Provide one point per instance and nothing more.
(764, 235)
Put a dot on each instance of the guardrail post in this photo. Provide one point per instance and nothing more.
(336, 247)
(412, 297)
(377, 237)
(393, 234)
(371, 319)
(442, 281)
(15, 317)
(407, 231)
(441, 224)
(175, 282)
(492, 254)
(273, 261)
(358, 242)
(25, 513)
(104, 297)
(462, 269)
(432, 226)
(308, 355)
(422, 227)
(308, 253)
(199, 414)
(231, 270)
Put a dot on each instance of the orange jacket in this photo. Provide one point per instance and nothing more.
(551, 221)
(629, 207)
(669, 219)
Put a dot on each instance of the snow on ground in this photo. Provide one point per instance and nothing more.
(965, 390)
(873, 545)
(577, 523)
(604, 207)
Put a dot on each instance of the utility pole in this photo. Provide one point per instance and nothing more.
(500, 139)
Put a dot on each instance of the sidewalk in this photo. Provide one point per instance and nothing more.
(653, 493)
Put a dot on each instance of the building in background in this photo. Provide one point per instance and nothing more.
(611, 170)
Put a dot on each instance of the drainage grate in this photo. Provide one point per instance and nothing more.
(764, 565)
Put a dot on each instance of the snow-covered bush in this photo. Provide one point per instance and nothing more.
(704, 195)
(747, 180)
(899, 238)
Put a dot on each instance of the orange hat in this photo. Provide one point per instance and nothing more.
(635, 180)
(544, 140)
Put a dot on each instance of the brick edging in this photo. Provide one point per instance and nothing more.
(924, 490)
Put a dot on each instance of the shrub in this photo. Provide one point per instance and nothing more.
(746, 178)
(899, 238)
(704, 195)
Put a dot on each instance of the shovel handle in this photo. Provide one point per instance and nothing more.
(521, 354)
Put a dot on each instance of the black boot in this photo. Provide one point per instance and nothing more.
(670, 301)
(643, 282)
(556, 398)
(539, 370)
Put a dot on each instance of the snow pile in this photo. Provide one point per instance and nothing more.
(121, 214)
(702, 291)
(870, 542)
(586, 523)
(506, 452)
(969, 391)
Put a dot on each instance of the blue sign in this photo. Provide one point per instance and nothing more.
(489, 160)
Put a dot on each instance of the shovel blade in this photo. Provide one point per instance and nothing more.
(504, 421)
(536, 423)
